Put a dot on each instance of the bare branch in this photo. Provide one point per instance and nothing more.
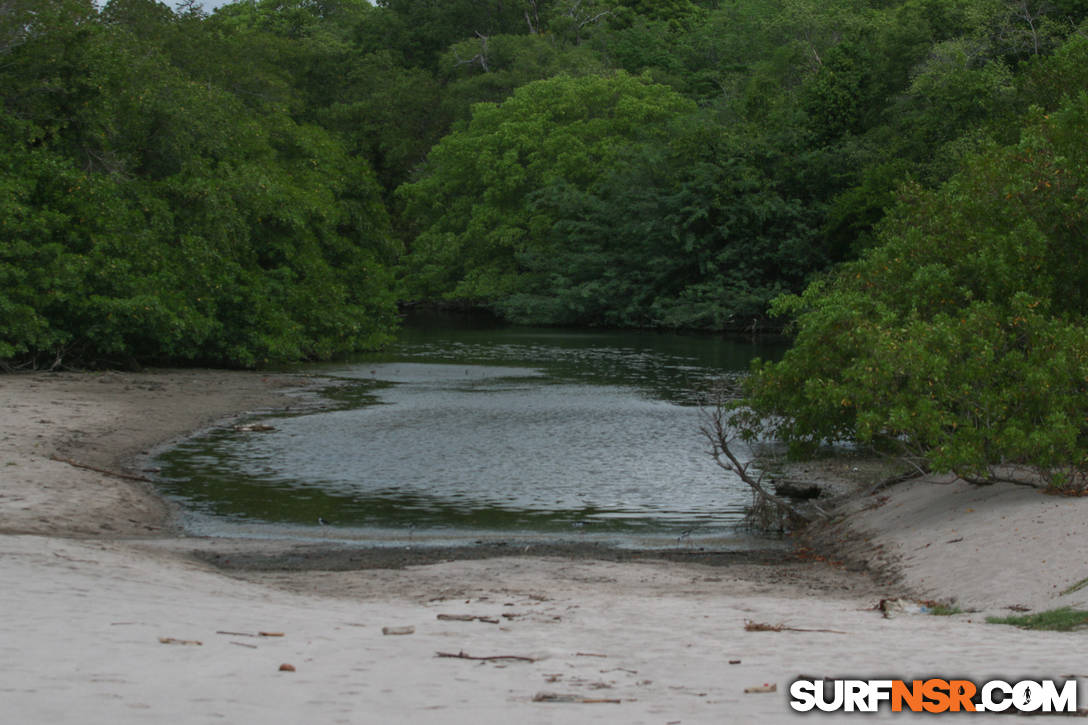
(595, 18)
(533, 19)
(480, 58)
(721, 435)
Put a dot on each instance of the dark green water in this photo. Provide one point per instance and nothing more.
(470, 431)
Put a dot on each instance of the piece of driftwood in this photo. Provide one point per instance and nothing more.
(467, 618)
(174, 640)
(588, 654)
(235, 634)
(462, 655)
(106, 471)
(750, 626)
(271, 634)
(399, 630)
(244, 644)
(579, 699)
(765, 687)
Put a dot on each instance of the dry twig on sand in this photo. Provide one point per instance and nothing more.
(462, 655)
(174, 640)
(752, 626)
(468, 618)
(557, 697)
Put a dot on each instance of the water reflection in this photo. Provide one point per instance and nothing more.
(468, 432)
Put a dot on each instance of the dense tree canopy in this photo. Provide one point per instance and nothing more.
(478, 202)
(961, 339)
(148, 215)
(266, 181)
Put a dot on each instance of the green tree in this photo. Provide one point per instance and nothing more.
(423, 29)
(386, 113)
(150, 216)
(960, 341)
(472, 202)
(686, 234)
(490, 69)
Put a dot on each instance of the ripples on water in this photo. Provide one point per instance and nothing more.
(510, 432)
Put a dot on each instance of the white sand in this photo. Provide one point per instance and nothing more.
(84, 606)
(983, 547)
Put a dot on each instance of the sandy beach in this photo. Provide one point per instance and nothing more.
(110, 616)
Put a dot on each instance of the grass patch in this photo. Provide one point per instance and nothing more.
(944, 610)
(1064, 619)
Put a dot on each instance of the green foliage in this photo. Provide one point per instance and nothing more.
(221, 187)
(1063, 619)
(960, 339)
(151, 217)
(490, 69)
(386, 113)
(688, 235)
(953, 90)
(944, 610)
(423, 30)
(1047, 82)
(472, 203)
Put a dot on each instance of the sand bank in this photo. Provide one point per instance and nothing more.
(96, 578)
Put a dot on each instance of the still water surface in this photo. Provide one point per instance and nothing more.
(466, 432)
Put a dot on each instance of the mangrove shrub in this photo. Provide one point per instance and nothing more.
(960, 339)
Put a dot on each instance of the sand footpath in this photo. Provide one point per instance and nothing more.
(103, 605)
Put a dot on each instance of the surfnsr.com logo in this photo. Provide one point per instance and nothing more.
(933, 695)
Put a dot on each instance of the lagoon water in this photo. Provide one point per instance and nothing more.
(467, 431)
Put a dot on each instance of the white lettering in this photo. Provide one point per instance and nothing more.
(837, 699)
(1027, 696)
(989, 704)
(803, 693)
(1064, 701)
(880, 691)
(855, 695)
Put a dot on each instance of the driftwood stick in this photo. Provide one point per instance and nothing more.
(752, 626)
(96, 469)
(462, 655)
(468, 618)
(801, 629)
(175, 640)
(557, 697)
